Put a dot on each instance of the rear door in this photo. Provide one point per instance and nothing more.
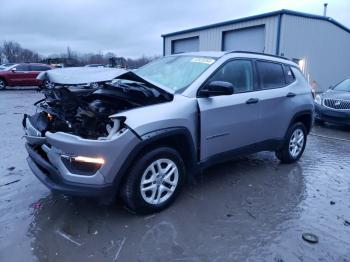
(35, 70)
(230, 122)
(276, 97)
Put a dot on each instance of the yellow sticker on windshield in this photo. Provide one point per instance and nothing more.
(202, 60)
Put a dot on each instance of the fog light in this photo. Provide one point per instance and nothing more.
(93, 160)
(82, 165)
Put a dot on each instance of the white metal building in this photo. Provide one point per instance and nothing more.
(319, 44)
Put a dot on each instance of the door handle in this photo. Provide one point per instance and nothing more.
(290, 94)
(252, 101)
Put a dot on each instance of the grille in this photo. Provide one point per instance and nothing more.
(337, 104)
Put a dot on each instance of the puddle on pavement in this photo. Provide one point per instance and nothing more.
(248, 208)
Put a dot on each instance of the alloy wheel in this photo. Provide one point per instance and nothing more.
(159, 181)
(2, 84)
(296, 142)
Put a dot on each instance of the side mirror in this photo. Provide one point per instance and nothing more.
(330, 87)
(216, 88)
(13, 70)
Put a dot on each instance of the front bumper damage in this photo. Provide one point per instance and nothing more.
(48, 160)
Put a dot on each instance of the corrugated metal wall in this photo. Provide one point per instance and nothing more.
(324, 47)
(211, 39)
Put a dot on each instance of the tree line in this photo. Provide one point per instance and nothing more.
(13, 52)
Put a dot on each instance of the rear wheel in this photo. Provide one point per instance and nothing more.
(294, 144)
(154, 181)
(2, 84)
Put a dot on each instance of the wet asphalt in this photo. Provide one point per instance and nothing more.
(249, 209)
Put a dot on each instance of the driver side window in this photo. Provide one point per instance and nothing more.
(237, 72)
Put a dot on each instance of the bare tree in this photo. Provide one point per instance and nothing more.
(16, 54)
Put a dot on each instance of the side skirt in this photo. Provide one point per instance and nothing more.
(268, 145)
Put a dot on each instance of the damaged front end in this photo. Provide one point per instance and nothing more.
(75, 146)
(85, 112)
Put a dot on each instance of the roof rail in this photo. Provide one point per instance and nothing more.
(257, 53)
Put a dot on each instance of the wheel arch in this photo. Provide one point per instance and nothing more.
(4, 79)
(178, 138)
(306, 117)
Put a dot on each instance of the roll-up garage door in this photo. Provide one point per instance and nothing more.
(185, 45)
(246, 39)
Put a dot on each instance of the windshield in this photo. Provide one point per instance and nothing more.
(6, 66)
(343, 86)
(175, 72)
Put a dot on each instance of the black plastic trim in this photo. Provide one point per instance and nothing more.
(303, 113)
(152, 138)
(268, 145)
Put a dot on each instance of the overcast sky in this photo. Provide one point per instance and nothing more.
(130, 27)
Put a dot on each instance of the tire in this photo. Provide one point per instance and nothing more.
(45, 85)
(2, 84)
(146, 168)
(292, 150)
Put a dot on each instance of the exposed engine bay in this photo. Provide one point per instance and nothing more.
(85, 112)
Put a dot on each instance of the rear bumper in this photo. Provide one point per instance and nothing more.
(332, 116)
(50, 177)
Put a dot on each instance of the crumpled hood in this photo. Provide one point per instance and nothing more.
(86, 75)
(80, 75)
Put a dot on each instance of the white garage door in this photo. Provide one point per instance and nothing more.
(185, 45)
(249, 39)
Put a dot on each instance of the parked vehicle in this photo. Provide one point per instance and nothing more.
(22, 75)
(143, 133)
(95, 65)
(333, 106)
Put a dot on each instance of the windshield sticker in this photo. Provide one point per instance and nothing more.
(202, 60)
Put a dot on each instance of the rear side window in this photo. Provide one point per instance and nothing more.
(288, 74)
(271, 75)
(22, 68)
(39, 68)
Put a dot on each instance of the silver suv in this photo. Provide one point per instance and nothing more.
(139, 134)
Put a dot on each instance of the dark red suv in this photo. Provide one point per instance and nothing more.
(22, 75)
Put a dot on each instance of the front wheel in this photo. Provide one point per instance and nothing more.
(2, 84)
(294, 144)
(154, 181)
(46, 84)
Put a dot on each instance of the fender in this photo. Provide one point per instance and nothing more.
(149, 139)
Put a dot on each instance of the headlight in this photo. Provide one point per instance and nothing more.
(318, 99)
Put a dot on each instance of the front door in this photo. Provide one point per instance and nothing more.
(230, 122)
(20, 75)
